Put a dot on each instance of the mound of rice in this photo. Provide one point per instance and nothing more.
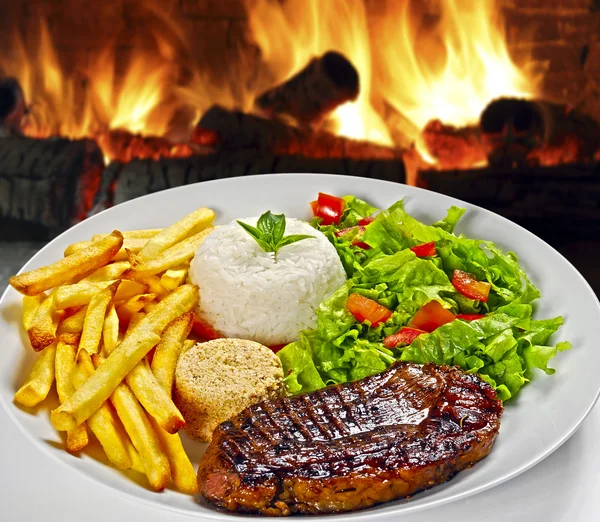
(251, 294)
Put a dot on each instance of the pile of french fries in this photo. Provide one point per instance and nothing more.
(109, 321)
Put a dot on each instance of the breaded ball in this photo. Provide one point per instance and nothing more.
(216, 380)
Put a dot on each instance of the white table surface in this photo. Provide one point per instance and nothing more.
(564, 487)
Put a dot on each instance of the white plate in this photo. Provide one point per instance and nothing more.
(544, 416)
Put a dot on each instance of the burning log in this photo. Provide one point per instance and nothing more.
(316, 90)
(46, 185)
(453, 147)
(515, 131)
(12, 107)
(238, 130)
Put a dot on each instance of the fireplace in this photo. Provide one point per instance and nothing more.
(495, 102)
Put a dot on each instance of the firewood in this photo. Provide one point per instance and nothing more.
(453, 147)
(238, 130)
(12, 106)
(308, 96)
(516, 131)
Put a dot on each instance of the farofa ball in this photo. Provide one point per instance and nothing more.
(216, 380)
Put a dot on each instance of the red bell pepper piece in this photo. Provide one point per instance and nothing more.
(470, 287)
(366, 221)
(204, 330)
(431, 316)
(425, 250)
(365, 309)
(329, 208)
(469, 317)
(406, 335)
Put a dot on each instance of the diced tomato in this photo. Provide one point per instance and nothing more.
(468, 286)
(275, 348)
(366, 221)
(329, 208)
(344, 231)
(365, 309)
(361, 244)
(469, 317)
(431, 316)
(406, 335)
(204, 330)
(425, 250)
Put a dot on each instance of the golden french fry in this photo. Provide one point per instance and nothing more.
(104, 423)
(133, 306)
(31, 304)
(153, 397)
(174, 277)
(64, 363)
(144, 438)
(110, 330)
(167, 350)
(154, 286)
(109, 272)
(79, 294)
(182, 470)
(176, 255)
(39, 381)
(128, 289)
(87, 399)
(191, 224)
(42, 331)
(94, 319)
(68, 268)
(134, 245)
(73, 323)
(133, 322)
(133, 234)
(187, 344)
(149, 306)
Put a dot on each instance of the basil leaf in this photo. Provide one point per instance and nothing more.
(288, 240)
(254, 232)
(270, 230)
(278, 228)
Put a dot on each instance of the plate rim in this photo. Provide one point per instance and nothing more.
(379, 510)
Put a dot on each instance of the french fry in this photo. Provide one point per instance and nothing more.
(133, 322)
(110, 330)
(39, 381)
(133, 234)
(68, 268)
(191, 224)
(174, 277)
(64, 363)
(133, 306)
(94, 319)
(87, 399)
(79, 294)
(167, 350)
(187, 344)
(109, 272)
(104, 423)
(73, 323)
(153, 397)
(182, 470)
(44, 324)
(144, 438)
(154, 286)
(132, 244)
(128, 289)
(31, 304)
(176, 255)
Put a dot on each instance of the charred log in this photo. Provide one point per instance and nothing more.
(316, 90)
(515, 131)
(238, 130)
(46, 185)
(453, 147)
(12, 107)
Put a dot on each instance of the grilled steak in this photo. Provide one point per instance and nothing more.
(351, 446)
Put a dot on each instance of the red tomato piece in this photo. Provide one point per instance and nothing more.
(470, 287)
(275, 348)
(204, 330)
(469, 317)
(366, 221)
(430, 316)
(406, 335)
(425, 250)
(365, 309)
(329, 208)
(361, 244)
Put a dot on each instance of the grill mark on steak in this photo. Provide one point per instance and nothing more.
(351, 446)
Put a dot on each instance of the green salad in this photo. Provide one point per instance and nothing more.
(419, 293)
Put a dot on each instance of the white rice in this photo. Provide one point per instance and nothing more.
(251, 294)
